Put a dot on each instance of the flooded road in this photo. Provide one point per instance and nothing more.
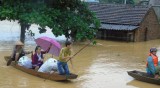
(104, 65)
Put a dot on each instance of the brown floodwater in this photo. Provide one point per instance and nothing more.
(104, 65)
(100, 66)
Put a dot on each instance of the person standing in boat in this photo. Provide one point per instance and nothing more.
(17, 52)
(152, 66)
(37, 57)
(65, 54)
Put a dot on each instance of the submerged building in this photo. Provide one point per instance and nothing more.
(126, 22)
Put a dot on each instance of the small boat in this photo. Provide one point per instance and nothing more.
(143, 76)
(53, 76)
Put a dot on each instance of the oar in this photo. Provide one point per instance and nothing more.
(72, 57)
(79, 51)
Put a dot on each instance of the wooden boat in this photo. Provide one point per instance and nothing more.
(53, 76)
(143, 76)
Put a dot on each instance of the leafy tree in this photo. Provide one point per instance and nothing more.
(69, 17)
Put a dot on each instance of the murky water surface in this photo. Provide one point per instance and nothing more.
(104, 65)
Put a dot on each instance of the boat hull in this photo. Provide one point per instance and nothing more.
(142, 76)
(53, 76)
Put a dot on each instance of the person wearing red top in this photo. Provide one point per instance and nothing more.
(152, 65)
(38, 58)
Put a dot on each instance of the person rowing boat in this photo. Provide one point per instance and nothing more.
(17, 52)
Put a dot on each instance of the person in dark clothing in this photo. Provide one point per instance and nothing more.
(17, 52)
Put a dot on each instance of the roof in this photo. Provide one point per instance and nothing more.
(119, 14)
(118, 27)
(154, 2)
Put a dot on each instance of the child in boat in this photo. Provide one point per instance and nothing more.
(152, 66)
(37, 57)
(17, 52)
(65, 54)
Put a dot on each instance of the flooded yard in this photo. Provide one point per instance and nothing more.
(104, 65)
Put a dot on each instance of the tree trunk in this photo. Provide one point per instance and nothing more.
(0, 2)
(23, 30)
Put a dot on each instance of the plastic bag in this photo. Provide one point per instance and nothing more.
(25, 62)
(48, 66)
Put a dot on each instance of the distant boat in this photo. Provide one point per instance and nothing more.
(53, 76)
(143, 76)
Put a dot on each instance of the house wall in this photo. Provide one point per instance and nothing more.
(150, 26)
(115, 35)
(157, 11)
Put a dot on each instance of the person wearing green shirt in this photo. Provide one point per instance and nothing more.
(65, 54)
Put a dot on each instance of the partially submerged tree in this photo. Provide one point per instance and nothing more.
(71, 18)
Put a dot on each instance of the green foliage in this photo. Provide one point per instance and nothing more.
(30, 33)
(118, 1)
(69, 17)
(94, 42)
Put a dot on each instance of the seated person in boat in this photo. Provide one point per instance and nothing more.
(37, 57)
(65, 54)
(152, 66)
(17, 52)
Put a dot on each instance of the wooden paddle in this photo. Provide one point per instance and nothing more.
(79, 51)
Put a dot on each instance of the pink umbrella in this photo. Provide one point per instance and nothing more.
(45, 42)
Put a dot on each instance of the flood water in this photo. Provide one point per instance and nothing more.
(104, 65)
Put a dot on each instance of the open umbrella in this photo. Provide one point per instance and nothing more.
(45, 42)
